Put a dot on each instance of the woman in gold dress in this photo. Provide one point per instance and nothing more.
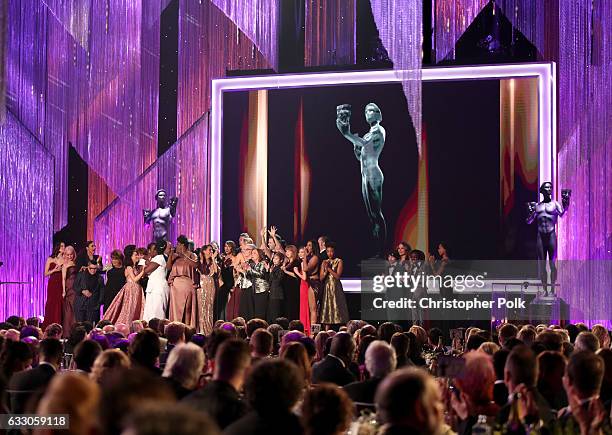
(334, 310)
(183, 278)
(205, 294)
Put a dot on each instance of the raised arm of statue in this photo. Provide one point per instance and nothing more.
(147, 215)
(173, 203)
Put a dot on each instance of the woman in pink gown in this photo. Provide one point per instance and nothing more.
(69, 274)
(183, 278)
(55, 288)
(304, 293)
(128, 305)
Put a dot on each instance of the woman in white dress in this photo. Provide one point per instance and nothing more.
(158, 289)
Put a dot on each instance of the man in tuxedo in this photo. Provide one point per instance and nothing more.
(322, 241)
(220, 398)
(27, 386)
(88, 287)
(380, 360)
(334, 367)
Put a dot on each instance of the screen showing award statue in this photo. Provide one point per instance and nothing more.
(343, 161)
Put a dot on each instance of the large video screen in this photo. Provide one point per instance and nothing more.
(286, 162)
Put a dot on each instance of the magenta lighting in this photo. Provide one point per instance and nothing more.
(544, 72)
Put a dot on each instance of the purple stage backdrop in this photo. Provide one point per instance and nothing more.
(26, 219)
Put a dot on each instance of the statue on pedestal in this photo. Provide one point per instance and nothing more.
(546, 214)
(161, 216)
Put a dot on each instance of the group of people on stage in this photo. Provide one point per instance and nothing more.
(198, 286)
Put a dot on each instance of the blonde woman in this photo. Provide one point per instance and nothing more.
(69, 274)
(107, 361)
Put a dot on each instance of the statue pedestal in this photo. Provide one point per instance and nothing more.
(549, 310)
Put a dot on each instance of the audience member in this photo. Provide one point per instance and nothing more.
(272, 390)
(380, 360)
(586, 341)
(27, 385)
(220, 397)
(85, 354)
(296, 353)
(551, 367)
(184, 368)
(106, 362)
(144, 351)
(175, 419)
(261, 344)
(326, 410)
(334, 367)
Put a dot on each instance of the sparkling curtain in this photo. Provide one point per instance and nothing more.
(330, 32)
(400, 24)
(585, 150)
(26, 220)
(452, 18)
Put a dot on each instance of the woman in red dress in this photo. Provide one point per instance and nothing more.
(69, 273)
(53, 269)
(304, 293)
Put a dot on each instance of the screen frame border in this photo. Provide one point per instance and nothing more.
(545, 72)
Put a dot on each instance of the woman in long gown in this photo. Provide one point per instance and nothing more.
(158, 290)
(55, 288)
(205, 294)
(291, 284)
(183, 278)
(244, 290)
(334, 310)
(276, 303)
(115, 278)
(304, 291)
(128, 305)
(227, 276)
(312, 265)
(69, 274)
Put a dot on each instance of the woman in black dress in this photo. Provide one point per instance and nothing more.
(115, 278)
(291, 283)
(277, 298)
(227, 276)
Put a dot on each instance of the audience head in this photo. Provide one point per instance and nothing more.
(185, 364)
(364, 343)
(145, 349)
(54, 330)
(171, 418)
(296, 325)
(584, 374)
(232, 361)
(283, 321)
(15, 357)
(51, 351)
(320, 342)
(216, 338)
(551, 340)
(343, 346)
(506, 332)
(175, 332)
(85, 354)
(261, 343)
(76, 395)
(327, 410)
(489, 348)
(255, 324)
(386, 331)
(410, 399)
(107, 362)
(380, 359)
(478, 378)
(273, 387)
(521, 368)
(586, 341)
(297, 354)
(526, 335)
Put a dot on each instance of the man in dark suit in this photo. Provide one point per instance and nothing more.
(219, 398)
(175, 334)
(520, 375)
(380, 360)
(334, 367)
(30, 384)
(88, 288)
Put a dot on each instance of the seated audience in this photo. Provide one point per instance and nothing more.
(175, 419)
(272, 390)
(334, 367)
(144, 351)
(586, 341)
(326, 410)
(296, 353)
(85, 354)
(106, 363)
(220, 398)
(380, 360)
(551, 367)
(184, 368)
(506, 332)
(606, 385)
(261, 344)
(175, 334)
(409, 402)
(401, 345)
(29, 384)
